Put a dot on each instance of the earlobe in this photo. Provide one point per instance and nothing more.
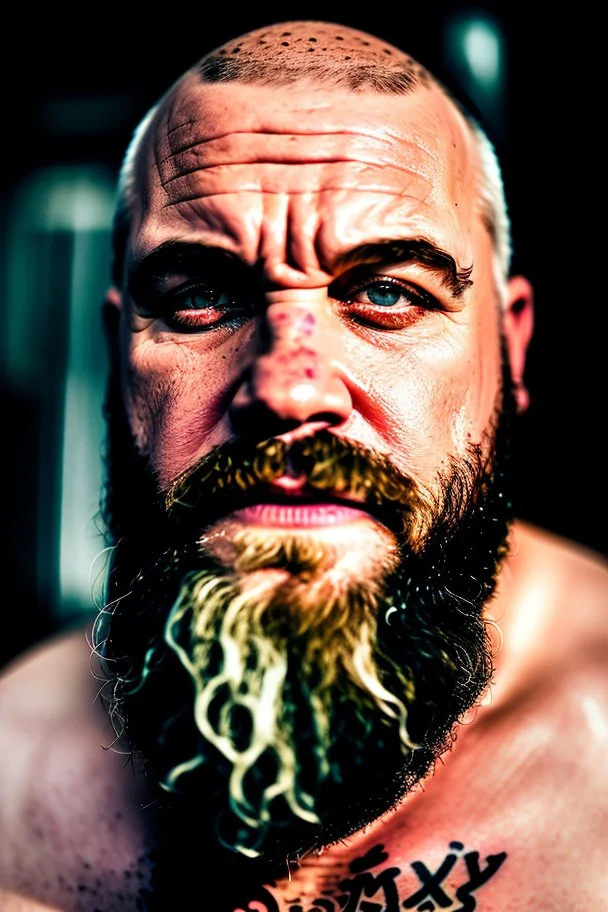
(518, 326)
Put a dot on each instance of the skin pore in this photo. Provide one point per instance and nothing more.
(305, 251)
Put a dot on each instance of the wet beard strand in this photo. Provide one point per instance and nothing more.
(433, 653)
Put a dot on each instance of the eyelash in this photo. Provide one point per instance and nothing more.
(392, 317)
(168, 307)
(239, 307)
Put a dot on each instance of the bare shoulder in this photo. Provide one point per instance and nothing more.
(51, 678)
(48, 711)
(552, 608)
(60, 772)
(48, 696)
(544, 543)
(571, 577)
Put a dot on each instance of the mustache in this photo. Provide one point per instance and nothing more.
(238, 474)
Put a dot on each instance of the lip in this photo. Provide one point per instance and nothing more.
(300, 515)
(290, 504)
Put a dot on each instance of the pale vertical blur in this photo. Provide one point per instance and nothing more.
(53, 350)
(475, 50)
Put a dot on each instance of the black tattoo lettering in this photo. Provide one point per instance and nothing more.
(431, 884)
(431, 894)
(477, 877)
(366, 884)
(369, 891)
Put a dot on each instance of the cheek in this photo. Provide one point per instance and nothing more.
(174, 402)
(475, 406)
(436, 401)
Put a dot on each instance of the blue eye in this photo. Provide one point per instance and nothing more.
(382, 302)
(384, 295)
(387, 294)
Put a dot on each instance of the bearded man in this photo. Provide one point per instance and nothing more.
(334, 672)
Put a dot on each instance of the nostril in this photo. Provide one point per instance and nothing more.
(257, 420)
(324, 419)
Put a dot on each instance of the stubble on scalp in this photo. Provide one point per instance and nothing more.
(331, 54)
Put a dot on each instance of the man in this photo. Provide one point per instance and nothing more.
(334, 673)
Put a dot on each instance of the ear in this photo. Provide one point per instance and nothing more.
(518, 325)
(112, 308)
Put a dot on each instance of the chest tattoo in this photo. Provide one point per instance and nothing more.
(371, 885)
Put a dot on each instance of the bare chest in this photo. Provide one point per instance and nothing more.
(505, 823)
(517, 822)
(522, 859)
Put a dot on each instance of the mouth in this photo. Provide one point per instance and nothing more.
(358, 534)
(290, 505)
(320, 483)
(300, 515)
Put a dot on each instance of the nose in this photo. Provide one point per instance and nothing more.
(295, 381)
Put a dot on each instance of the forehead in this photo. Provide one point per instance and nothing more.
(353, 166)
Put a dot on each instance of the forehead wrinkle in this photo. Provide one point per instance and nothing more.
(262, 177)
(180, 126)
(244, 153)
(295, 190)
(216, 112)
(281, 193)
(273, 230)
(303, 234)
(317, 130)
(209, 225)
(312, 147)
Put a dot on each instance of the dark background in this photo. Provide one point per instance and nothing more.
(83, 81)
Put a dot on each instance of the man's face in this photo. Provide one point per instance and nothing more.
(310, 263)
(266, 296)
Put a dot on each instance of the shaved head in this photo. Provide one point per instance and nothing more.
(334, 54)
(331, 56)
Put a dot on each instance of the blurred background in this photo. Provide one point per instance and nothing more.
(82, 83)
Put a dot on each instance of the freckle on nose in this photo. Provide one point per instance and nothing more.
(308, 324)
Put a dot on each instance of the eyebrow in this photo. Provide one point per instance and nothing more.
(416, 250)
(170, 255)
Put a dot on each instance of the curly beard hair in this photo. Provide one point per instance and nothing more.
(294, 714)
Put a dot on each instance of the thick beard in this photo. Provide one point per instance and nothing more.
(336, 709)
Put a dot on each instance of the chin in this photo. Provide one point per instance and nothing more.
(335, 555)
